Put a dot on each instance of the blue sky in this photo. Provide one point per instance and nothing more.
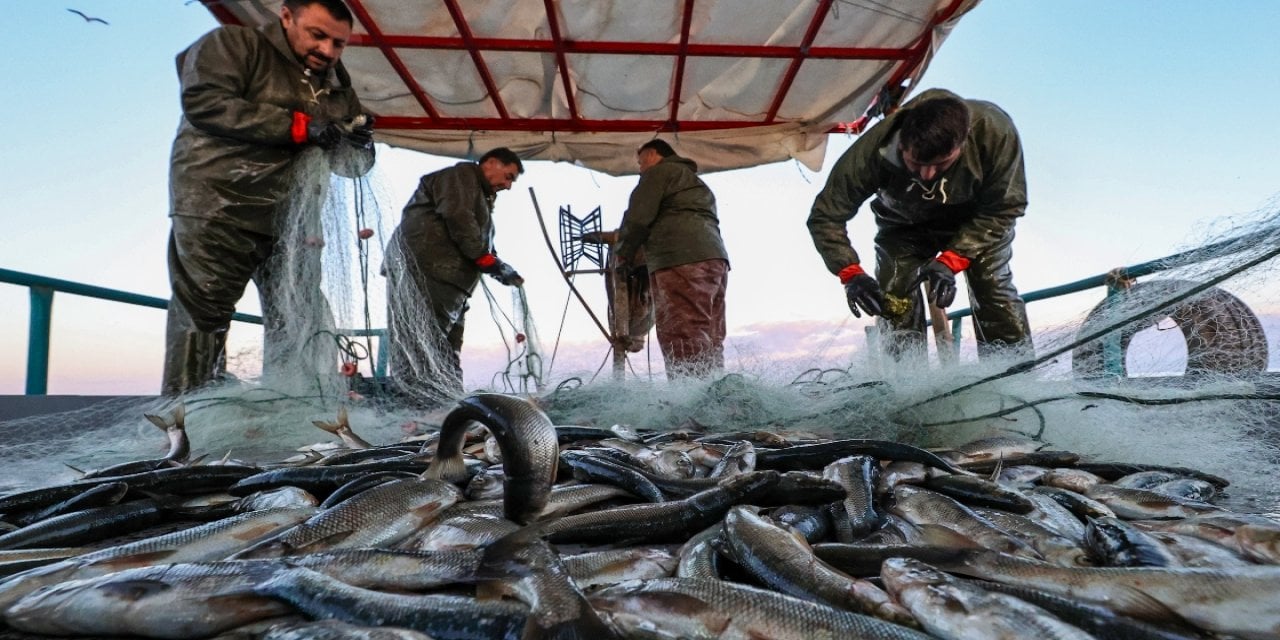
(1143, 123)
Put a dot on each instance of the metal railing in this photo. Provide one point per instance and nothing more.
(1113, 355)
(42, 288)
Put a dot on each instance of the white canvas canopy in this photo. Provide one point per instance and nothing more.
(732, 83)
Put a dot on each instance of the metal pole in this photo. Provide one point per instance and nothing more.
(38, 341)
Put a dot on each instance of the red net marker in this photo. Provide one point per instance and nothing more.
(519, 338)
(349, 369)
(365, 234)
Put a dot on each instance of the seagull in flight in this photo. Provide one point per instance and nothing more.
(88, 18)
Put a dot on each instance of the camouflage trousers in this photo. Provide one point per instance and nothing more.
(688, 303)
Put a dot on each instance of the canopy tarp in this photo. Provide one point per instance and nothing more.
(732, 83)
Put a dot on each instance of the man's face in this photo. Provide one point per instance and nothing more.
(926, 169)
(499, 176)
(647, 158)
(315, 36)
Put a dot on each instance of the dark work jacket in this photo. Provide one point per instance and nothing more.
(975, 202)
(234, 159)
(447, 225)
(672, 215)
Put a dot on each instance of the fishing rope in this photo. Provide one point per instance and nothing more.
(364, 233)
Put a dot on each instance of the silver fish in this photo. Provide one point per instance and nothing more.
(693, 609)
(322, 597)
(619, 565)
(530, 451)
(381, 516)
(949, 608)
(164, 601)
(1241, 601)
(212, 541)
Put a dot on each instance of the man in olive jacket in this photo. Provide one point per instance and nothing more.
(267, 113)
(949, 183)
(434, 261)
(672, 216)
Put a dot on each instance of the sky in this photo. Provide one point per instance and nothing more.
(1144, 125)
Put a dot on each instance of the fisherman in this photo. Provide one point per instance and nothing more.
(434, 260)
(258, 106)
(949, 183)
(671, 221)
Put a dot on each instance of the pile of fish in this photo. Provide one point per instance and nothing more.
(503, 525)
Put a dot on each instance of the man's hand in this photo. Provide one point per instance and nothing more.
(361, 132)
(940, 273)
(599, 237)
(942, 283)
(862, 291)
(501, 271)
(325, 134)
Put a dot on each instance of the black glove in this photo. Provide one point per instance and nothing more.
(942, 283)
(503, 273)
(863, 291)
(361, 133)
(324, 133)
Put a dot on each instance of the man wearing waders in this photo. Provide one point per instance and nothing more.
(434, 261)
(949, 183)
(672, 216)
(258, 105)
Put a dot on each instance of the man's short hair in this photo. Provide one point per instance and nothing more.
(934, 128)
(660, 146)
(335, 7)
(505, 156)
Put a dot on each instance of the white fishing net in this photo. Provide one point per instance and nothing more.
(1170, 370)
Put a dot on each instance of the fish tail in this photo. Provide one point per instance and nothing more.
(326, 426)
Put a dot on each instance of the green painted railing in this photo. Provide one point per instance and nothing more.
(38, 338)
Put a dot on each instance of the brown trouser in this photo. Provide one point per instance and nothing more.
(688, 303)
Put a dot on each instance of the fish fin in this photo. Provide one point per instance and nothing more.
(995, 471)
(1139, 604)
(936, 535)
(180, 416)
(451, 469)
(79, 471)
(141, 559)
(342, 416)
(159, 422)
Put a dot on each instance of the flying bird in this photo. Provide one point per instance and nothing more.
(88, 18)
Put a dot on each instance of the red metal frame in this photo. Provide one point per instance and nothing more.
(909, 59)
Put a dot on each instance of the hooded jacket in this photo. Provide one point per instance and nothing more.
(976, 202)
(233, 159)
(672, 215)
(447, 225)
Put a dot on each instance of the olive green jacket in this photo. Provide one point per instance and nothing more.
(672, 215)
(447, 225)
(976, 201)
(233, 159)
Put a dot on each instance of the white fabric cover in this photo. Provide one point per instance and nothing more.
(611, 86)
